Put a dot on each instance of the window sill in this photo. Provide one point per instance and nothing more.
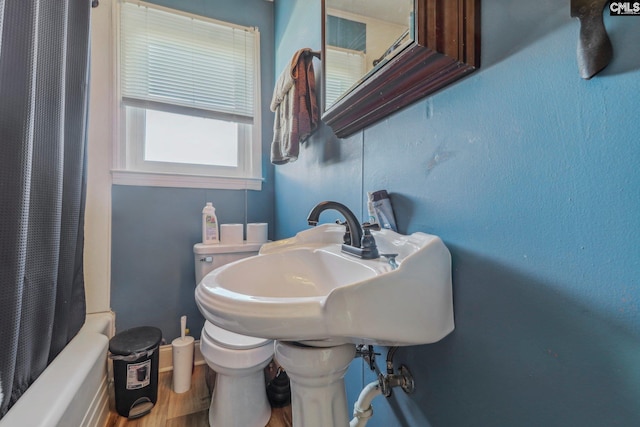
(154, 179)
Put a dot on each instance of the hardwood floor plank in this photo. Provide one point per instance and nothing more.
(196, 400)
(198, 419)
(280, 417)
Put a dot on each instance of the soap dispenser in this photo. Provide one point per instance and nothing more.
(210, 233)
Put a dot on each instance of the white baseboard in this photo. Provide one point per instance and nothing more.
(166, 357)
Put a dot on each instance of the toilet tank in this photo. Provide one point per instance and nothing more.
(210, 257)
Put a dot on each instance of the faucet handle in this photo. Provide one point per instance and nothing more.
(369, 226)
(346, 238)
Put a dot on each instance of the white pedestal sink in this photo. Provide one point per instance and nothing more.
(318, 396)
(318, 303)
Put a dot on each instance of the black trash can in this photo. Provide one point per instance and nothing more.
(135, 370)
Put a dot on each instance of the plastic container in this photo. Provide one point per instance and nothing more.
(279, 390)
(382, 209)
(210, 232)
(135, 370)
(370, 209)
(182, 350)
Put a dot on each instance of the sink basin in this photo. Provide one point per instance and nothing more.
(305, 289)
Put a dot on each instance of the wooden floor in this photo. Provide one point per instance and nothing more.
(190, 409)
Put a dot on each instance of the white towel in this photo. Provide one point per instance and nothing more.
(283, 149)
(283, 85)
(295, 107)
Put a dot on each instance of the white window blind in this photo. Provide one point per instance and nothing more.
(182, 64)
(344, 69)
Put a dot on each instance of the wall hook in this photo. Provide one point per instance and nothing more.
(594, 47)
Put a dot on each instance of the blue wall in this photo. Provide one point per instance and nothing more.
(530, 175)
(154, 228)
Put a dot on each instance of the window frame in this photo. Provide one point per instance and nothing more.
(128, 169)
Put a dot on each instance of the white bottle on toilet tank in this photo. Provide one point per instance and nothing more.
(209, 225)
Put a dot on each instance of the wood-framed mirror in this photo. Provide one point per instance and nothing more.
(427, 45)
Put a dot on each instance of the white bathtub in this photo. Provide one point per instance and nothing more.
(72, 391)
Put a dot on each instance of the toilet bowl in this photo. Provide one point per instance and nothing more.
(239, 397)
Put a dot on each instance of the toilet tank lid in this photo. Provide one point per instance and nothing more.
(221, 248)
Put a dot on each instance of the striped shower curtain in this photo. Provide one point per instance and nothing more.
(44, 46)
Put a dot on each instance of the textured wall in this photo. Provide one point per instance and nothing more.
(530, 175)
(154, 229)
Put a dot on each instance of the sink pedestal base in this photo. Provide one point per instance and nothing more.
(318, 396)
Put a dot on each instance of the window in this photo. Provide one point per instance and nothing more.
(189, 100)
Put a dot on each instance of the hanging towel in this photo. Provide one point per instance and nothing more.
(295, 107)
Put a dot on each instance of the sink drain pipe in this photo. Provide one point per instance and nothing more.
(362, 409)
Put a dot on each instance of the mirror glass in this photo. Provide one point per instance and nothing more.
(360, 37)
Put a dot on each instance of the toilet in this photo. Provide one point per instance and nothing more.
(239, 397)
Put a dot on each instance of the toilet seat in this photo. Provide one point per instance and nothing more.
(232, 340)
(221, 356)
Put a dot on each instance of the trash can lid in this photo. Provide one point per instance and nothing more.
(135, 340)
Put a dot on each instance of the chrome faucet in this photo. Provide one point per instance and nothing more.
(357, 240)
